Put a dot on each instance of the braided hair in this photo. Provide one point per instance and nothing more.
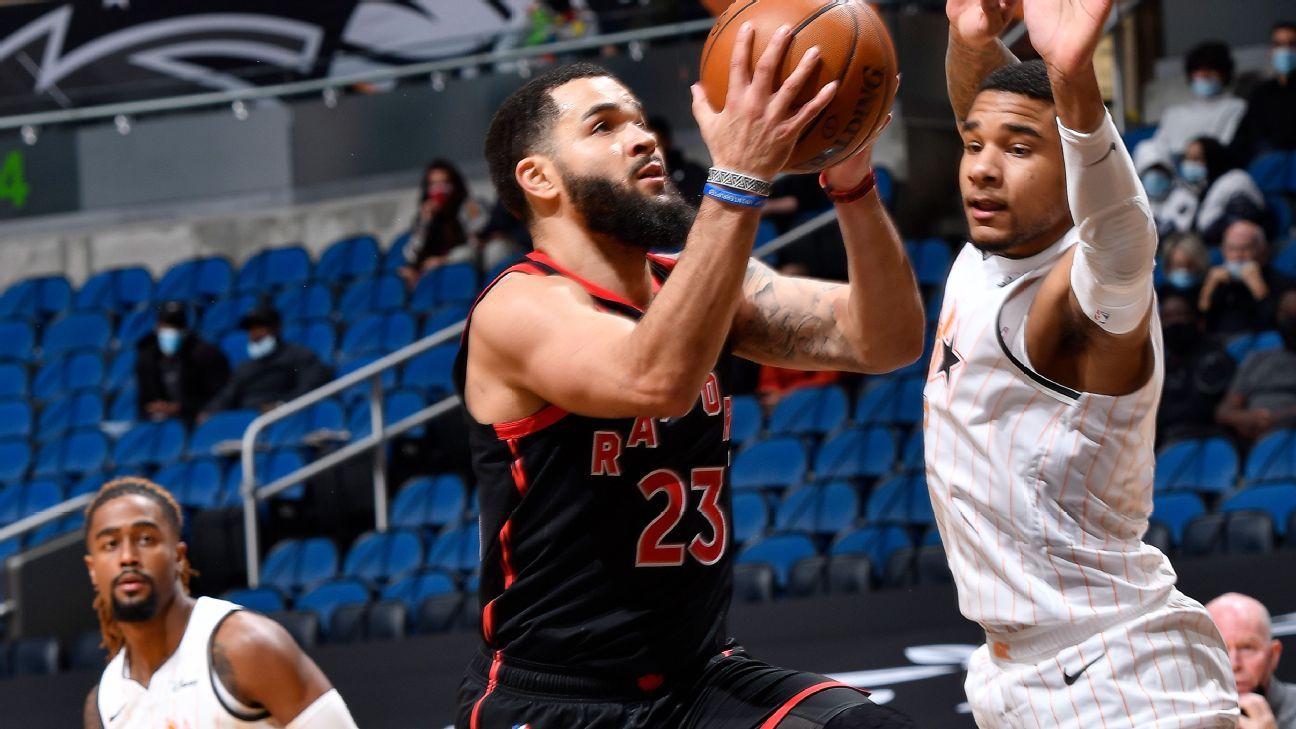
(113, 639)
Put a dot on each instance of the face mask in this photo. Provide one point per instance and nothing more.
(261, 347)
(1287, 328)
(1157, 184)
(169, 340)
(1284, 61)
(439, 193)
(1192, 171)
(1235, 269)
(1183, 278)
(1179, 337)
(1205, 88)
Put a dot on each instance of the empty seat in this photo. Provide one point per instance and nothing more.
(322, 422)
(931, 566)
(273, 269)
(901, 500)
(891, 401)
(858, 453)
(34, 656)
(807, 575)
(1158, 535)
(116, 290)
(295, 564)
(36, 298)
(377, 556)
(84, 330)
(225, 315)
(269, 467)
(394, 256)
(446, 316)
(1175, 511)
(260, 599)
(386, 620)
(329, 596)
(125, 405)
(432, 370)
(819, 509)
(431, 502)
(86, 654)
(347, 623)
(150, 444)
(456, 550)
(1243, 345)
(848, 574)
(221, 433)
(383, 293)
(1249, 532)
(931, 261)
(439, 613)
(413, 589)
(15, 419)
(13, 380)
(76, 371)
(19, 501)
(1273, 458)
(196, 484)
(900, 570)
(1206, 465)
(348, 259)
(912, 457)
(455, 283)
(1278, 500)
(234, 346)
(15, 458)
(198, 280)
(809, 411)
(779, 551)
(17, 339)
(771, 463)
(1203, 535)
(121, 372)
(77, 453)
(745, 419)
(362, 390)
(750, 516)
(378, 334)
(302, 625)
(753, 582)
(876, 542)
(78, 410)
(397, 406)
(300, 303)
(317, 335)
(135, 326)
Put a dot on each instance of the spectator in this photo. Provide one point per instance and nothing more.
(441, 232)
(688, 176)
(1244, 623)
(1214, 112)
(1263, 394)
(1238, 295)
(505, 238)
(1185, 262)
(276, 371)
(1224, 192)
(1174, 204)
(1271, 107)
(176, 372)
(1197, 371)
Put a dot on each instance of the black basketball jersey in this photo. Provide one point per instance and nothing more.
(606, 543)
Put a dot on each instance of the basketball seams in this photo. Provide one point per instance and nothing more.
(841, 75)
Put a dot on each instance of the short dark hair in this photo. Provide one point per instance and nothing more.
(1029, 79)
(520, 126)
(1210, 55)
(130, 485)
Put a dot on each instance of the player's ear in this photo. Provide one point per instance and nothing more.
(89, 563)
(182, 555)
(538, 177)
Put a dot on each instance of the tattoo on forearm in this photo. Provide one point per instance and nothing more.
(793, 322)
(224, 670)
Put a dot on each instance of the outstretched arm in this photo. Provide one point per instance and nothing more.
(974, 49)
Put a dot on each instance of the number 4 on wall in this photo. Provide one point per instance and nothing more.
(13, 181)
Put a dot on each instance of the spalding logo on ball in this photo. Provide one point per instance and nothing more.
(854, 49)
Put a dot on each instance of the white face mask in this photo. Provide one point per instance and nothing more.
(261, 347)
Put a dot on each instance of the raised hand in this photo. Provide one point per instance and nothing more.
(757, 128)
(979, 22)
(1066, 32)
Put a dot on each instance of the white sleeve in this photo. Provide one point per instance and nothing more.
(1112, 271)
(327, 712)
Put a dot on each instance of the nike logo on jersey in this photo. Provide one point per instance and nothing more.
(1070, 678)
(181, 685)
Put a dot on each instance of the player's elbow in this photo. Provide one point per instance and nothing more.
(885, 352)
(661, 397)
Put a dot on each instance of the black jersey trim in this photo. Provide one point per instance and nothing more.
(1039, 379)
(216, 690)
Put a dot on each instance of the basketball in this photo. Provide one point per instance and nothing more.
(855, 50)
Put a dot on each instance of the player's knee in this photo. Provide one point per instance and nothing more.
(869, 716)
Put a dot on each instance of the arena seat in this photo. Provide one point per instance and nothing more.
(318, 423)
(195, 483)
(443, 317)
(17, 340)
(1273, 458)
(891, 401)
(133, 327)
(1175, 510)
(386, 620)
(217, 434)
(15, 419)
(21, 500)
(224, 315)
(125, 405)
(196, 281)
(900, 500)
(83, 409)
(376, 557)
(13, 380)
(1249, 532)
(806, 578)
(36, 298)
(809, 411)
(74, 371)
(394, 256)
(348, 259)
(1158, 535)
(294, 565)
(1271, 171)
(1276, 499)
(456, 550)
(1241, 347)
(440, 612)
(750, 517)
(900, 570)
(932, 566)
(912, 456)
(931, 261)
(327, 597)
(849, 574)
(412, 589)
(85, 653)
(397, 405)
(770, 463)
(317, 335)
(431, 371)
(377, 334)
(874, 541)
(430, 502)
(270, 467)
(121, 372)
(274, 269)
(83, 330)
(300, 303)
(115, 291)
(34, 656)
(858, 453)
(819, 509)
(1204, 465)
(361, 390)
(753, 582)
(260, 599)
(779, 551)
(149, 444)
(1285, 260)
(347, 623)
(453, 284)
(79, 452)
(369, 295)
(302, 625)
(1203, 535)
(745, 419)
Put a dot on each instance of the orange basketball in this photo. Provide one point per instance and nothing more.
(855, 50)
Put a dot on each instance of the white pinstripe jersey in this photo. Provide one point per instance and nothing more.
(1041, 493)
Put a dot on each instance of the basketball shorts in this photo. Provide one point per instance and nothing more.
(1166, 667)
(733, 691)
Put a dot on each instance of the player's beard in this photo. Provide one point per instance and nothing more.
(1023, 239)
(137, 612)
(620, 212)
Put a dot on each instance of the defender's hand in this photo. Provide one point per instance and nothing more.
(978, 23)
(1066, 32)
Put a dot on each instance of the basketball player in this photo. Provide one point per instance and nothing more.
(180, 662)
(1042, 397)
(594, 381)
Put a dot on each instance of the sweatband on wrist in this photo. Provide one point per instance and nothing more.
(732, 197)
(329, 711)
(740, 181)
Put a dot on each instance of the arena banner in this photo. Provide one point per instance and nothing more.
(70, 54)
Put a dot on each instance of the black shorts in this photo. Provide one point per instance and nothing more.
(733, 691)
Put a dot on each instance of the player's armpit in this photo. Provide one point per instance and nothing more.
(261, 665)
(90, 715)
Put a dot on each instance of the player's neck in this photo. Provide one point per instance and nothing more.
(617, 267)
(150, 643)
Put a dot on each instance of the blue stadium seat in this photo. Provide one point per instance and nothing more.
(820, 509)
(196, 281)
(413, 589)
(116, 290)
(84, 330)
(273, 269)
(913, 458)
(36, 298)
(771, 463)
(858, 453)
(885, 185)
(900, 500)
(397, 405)
(361, 390)
(347, 259)
(1276, 499)
(34, 656)
(300, 564)
(76, 371)
(779, 551)
(455, 283)
(442, 318)
(151, 444)
(196, 483)
(13, 380)
(875, 541)
(431, 371)
(260, 599)
(429, 502)
(1206, 465)
(224, 315)
(891, 401)
(377, 334)
(79, 452)
(369, 295)
(321, 421)
(394, 256)
(17, 339)
(1273, 458)
(809, 411)
(377, 557)
(134, 327)
(1271, 171)
(15, 419)
(24, 499)
(457, 550)
(935, 300)
(746, 419)
(1240, 347)
(1134, 135)
(326, 598)
(83, 409)
(1280, 210)
(299, 303)
(88, 483)
(269, 468)
(125, 405)
(1285, 260)
(750, 516)
(931, 261)
(221, 429)
(121, 372)
(1175, 510)
(754, 582)
(234, 346)
(317, 335)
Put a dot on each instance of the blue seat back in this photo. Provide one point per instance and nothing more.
(348, 259)
(931, 261)
(273, 269)
(432, 370)
(751, 516)
(134, 327)
(326, 598)
(76, 371)
(116, 290)
(378, 556)
(317, 335)
(779, 551)
(876, 542)
(1276, 499)
(151, 444)
(300, 564)
(1207, 465)
(122, 371)
(322, 416)
(1175, 510)
(455, 283)
(378, 334)
(78, 452)
(220, 428)
(224, 315)
(892, 401)
(458, 550)
(36, 298)
(260, 599)
(383, 293)
(430, 501)
(300, 303)
(443, 317)
(234, 346)
(413, 589)
(818, 509)
(746, 419)
(771, 463)
(1271, 171)
(809, 411)
(394, 256)
(17, 339)
(859, 453)
(901, 500)
(15, 458)
(84, 330)
(16, 419)
(197, 280)
(196, 483)
(1273, 458)
(13, 380)
(125, 404)
(83, 409)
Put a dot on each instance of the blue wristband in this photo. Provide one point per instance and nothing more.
(724, 194)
